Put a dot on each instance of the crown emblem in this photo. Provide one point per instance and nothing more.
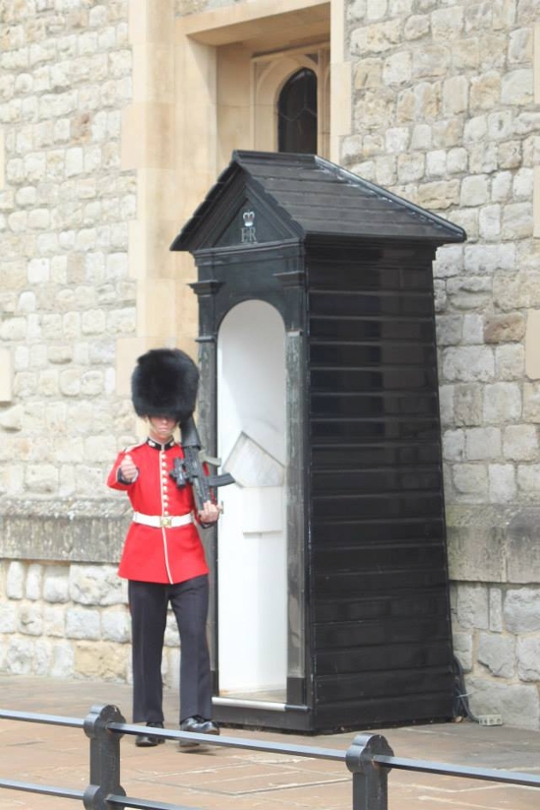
(248, 232)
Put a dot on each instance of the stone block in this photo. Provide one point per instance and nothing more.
(463, 649)
(516, 291)
(421, 137)
(498, 654)
(490, 222)
(397, 68)
(8, 618)
(520, 443)
(502, 403)
(116, 626)
(62, 660)
(376, 38)
(34, 580)
(472, 328)
(15, 580)
(368, 73)
(472, 606)
(528, 476)
(468, 404)
(474, 190)
(467, 293)
(531, 402)
(516, 87)
(13, 418)
(468, 364)
(517, 704)
(455, 97)
(436, 163)
(457, 160)
(482, 444)
(83, 623)
(449, 329)
(449, 261)
(410, 167)
(502, 483)
(485, 91)
(495, 610)
(20, 656)
(476, 547)
(53, 621)
(42, 657)
(446, 405)
(521, 610)
(504, 328)
(510, 362)
(528, 658)
(42, 478)
(517, 221)
(397, 139)
(95, 585)
(431, 61)
(56, 583)
(104, 662)
(523, 546)
(30, 620)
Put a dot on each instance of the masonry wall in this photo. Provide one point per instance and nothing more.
(66, 620)
(65, 206)
(66, 298)
(445, 114)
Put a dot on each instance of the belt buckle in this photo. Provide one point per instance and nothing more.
(165, 521)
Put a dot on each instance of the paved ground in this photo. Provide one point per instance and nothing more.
(234, 779)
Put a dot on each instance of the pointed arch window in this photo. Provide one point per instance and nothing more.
(297, 113)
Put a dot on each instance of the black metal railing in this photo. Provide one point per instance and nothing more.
(369, 758)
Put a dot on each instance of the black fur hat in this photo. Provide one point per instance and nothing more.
(164, 383)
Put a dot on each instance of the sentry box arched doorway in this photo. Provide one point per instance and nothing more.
(319, 392)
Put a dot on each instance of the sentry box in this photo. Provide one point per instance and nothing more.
(319, 393)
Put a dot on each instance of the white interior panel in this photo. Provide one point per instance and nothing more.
(252, 547)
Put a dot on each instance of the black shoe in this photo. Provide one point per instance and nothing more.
(149, 740)
(209, 727)
(198, 725)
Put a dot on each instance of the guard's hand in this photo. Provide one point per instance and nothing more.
(128, 468)
(210, 512)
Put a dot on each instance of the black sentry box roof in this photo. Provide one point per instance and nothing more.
(315, 197)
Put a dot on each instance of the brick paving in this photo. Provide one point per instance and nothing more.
(216, 778)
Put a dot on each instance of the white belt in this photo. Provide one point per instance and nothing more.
(163, 521)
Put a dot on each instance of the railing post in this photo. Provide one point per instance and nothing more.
(104, 757)
(370, 780)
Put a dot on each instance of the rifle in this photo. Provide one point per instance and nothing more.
(189, 470)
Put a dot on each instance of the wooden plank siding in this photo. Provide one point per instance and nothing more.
(381, 637)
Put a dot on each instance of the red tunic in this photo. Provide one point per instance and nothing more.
(166, 555)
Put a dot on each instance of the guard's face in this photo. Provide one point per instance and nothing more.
(161, 428)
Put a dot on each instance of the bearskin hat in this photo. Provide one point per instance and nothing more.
(164, 383)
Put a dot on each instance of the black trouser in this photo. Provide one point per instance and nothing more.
(148, 605)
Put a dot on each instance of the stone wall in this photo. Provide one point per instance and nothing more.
(70, 621)
(495, 596)
(446, 114)
(65, 207)
(66, 298)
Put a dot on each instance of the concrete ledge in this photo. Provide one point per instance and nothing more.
(70, 531)
(497, 544)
